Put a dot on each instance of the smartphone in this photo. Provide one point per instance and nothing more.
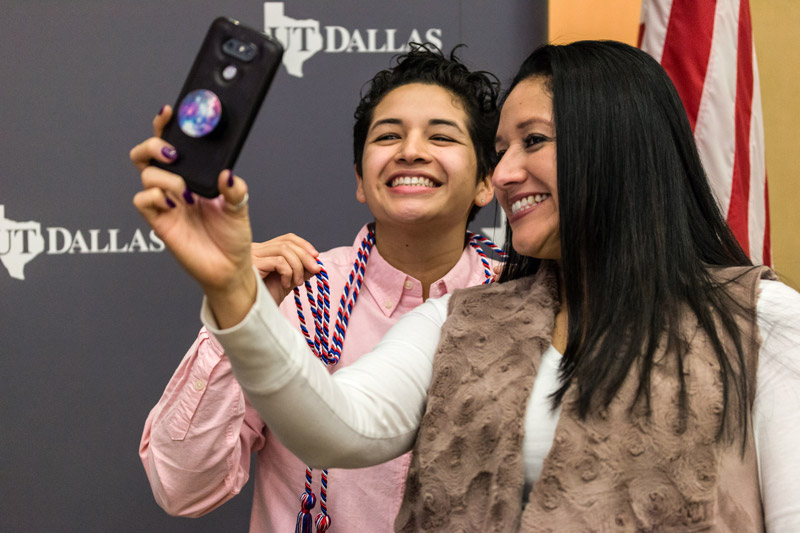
(219, 101)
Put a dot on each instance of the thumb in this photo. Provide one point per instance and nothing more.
(234, 191)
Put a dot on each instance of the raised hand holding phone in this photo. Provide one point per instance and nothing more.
(210, 234)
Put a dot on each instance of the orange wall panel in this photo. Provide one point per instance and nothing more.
(574, 20)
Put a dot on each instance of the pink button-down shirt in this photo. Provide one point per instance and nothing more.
(198, 439)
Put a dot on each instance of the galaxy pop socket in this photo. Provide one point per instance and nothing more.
(199, 113)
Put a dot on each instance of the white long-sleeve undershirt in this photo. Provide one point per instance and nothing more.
(369, 412)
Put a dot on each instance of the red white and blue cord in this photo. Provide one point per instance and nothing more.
(329, 349)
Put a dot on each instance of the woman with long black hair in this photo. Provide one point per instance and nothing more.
(632, 370)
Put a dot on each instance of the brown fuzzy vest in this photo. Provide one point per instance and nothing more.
(617, 470)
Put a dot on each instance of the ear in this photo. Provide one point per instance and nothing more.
(484, 192)
(360, 196)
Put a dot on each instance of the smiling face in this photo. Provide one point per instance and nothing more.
(525, 176)
(419, 164)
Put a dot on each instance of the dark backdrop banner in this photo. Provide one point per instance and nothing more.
(94, 313)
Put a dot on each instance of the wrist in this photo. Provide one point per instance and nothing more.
(231, 303)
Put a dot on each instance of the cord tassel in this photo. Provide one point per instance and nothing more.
(304, 522)
(323, 522)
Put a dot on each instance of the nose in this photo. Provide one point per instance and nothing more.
(413, 149)
(509, 170)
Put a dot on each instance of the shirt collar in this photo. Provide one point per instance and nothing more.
(386, 284)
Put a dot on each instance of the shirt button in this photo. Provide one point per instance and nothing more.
(409, 285)
(199, 384)
(388, 304)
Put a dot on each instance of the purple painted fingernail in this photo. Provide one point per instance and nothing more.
(161, 111)
(187, 195)
(169, 152)
(230, 178)
(170, 203)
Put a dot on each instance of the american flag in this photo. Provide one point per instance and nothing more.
(706, 46)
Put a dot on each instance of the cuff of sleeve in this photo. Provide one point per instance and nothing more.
(259, 347)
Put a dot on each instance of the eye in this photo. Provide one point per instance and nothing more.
(442, 138)
(535, 139)
(497, 156)
(386, 137)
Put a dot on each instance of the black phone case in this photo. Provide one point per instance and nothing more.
(201, 159)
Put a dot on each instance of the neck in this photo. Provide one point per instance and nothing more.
(419, 252)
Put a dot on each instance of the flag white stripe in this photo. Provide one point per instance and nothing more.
(717, 112)
(758, 174)
(655, 16)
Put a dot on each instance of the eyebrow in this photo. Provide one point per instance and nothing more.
(444, 122)
(526, 124)
(431, 122)
(381, 122)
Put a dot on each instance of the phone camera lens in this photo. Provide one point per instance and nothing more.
(240, 50)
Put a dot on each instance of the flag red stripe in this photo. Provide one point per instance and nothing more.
(687, 48)
(740, 187)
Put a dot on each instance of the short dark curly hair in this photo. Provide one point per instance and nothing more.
(425, 63)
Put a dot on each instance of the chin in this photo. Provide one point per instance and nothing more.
(536, 249)
(526, 247)
(408, 217)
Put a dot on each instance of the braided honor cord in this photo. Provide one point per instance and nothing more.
(329, 352)
(475, 240)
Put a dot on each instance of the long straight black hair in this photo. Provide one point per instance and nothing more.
(639, 227)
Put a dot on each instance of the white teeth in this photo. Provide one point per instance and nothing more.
(415, 181)
(528, 201)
